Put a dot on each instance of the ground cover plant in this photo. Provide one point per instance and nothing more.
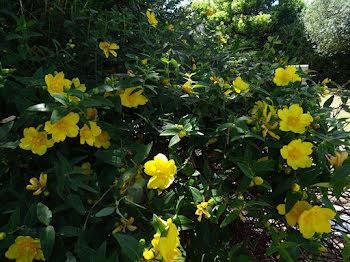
(142, 135)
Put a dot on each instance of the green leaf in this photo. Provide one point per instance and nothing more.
(165, 60)
(75, 202)
(174, 63)
(329, 101)
(230, 217)
(183, 222)
(43, 107)
(174, 140)
(69, 231)
(57, 114)
(96, 101)
(113, 157)
(246, 170)
(130, 247)
(340, 174)
(142, 152)
(61, 98)
(196, 194)
(47, 239)
(105, 212)
(70, 257)
(5, 129)
(346, 253)
(43, 213)
(292, 198)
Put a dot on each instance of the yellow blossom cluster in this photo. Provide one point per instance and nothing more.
(284, 76)
(311, 219)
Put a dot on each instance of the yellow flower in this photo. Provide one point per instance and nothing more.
(284, 76)
(36, 185)
(130, 98)
(144, 61)
(109, 48)
(240, 86)
(222, 39)
(91, 113)
(338, 159)
(315, 220)
(56, 83)
(194, 67)
(35, 141)
(293, 215)
(162, 171)
(293, 119)
(209, 12)
(187, 87)
(103, 140)
(171, 28)
(258, 180)
(25, 249)
(66, 126)
(296, 153)
(85, 165)
(152, 18)
(168, 245)
(125, 224)
(89, 135)
(296, 187)
(201, 209)
(78, 85)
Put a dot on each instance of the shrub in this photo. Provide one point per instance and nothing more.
(174, 145)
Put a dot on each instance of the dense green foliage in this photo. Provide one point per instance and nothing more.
(328, 25)
(197, 114)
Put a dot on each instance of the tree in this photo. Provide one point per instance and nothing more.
(327, 23)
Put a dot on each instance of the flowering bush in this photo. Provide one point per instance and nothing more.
(185, 151)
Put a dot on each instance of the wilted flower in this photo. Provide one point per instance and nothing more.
(37, 185)
(338, 159)
(125, 224)
(201, 209)
(109, 48)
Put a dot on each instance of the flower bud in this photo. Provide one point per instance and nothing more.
(211, 202)
(95, 91)
(295, 187)
(191, 181)
(258, 180)
(287, 170)
(2, 235)
(180, 127)
(142, 241)
(181, 134)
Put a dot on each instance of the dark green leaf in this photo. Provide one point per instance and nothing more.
(105, 212)
(246, 170)
(196, 194)
(130, 247)
(5, 129)
(61, 98)
(47, 239)
(142, 152)
(43, 213)
(230, 217)
(329, 101)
